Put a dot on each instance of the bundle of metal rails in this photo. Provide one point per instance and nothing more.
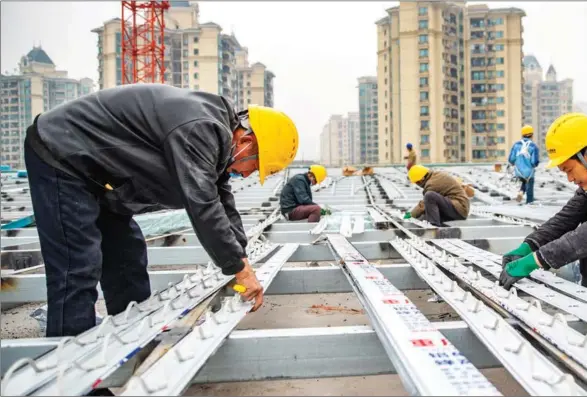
(536, 331)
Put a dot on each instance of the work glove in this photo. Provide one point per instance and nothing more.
(520, 252)
(408, 215)
(325, 211)
(517, 270)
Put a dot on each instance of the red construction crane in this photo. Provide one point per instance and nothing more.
(143, 47)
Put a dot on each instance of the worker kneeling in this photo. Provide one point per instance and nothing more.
(96, 161)
(561, 240)
(444, 197)
(296, 196)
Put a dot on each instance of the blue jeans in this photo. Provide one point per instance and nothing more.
(83, 243)
(528, 188)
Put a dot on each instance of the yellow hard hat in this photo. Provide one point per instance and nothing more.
(566, 137)
(319, 172)
(417, 172)
(277, 138)
(527, 130)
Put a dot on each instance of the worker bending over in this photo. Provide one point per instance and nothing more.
(296, 196)
(411, 157)
(525, 158)
(561, 240)
(444, 197)
(96, 161)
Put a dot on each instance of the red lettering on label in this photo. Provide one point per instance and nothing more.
(422, 342)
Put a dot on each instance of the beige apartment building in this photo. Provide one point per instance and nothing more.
(37, 86)
(450, 81)
(340, 140)
(197, 56)
(544, 99)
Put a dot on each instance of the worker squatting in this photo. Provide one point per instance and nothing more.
(96, 161)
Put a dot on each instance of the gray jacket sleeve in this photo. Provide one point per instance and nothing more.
(561, 240)
(192, 152)
(227, 200)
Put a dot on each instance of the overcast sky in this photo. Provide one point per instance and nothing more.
(317, 50)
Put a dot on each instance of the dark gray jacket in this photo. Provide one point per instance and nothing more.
(159, 147)
(563, 238)
(296, 192)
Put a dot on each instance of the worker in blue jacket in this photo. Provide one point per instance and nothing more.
(525, 158)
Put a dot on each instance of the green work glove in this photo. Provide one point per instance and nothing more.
(408, 215)
(324, 211)
(520, 252)
(517, 270)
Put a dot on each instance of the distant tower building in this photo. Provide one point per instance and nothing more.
(544, 99)
(368, 120)
(37, 87)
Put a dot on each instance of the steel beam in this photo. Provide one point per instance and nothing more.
(268, 354)
(289, 281)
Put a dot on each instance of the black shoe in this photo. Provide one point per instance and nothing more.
(100, 392)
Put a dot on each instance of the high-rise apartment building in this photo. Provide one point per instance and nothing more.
(339, 140)
(544, 99)
(368, 120)
(450, 81)
(197, 56)
(37, 87)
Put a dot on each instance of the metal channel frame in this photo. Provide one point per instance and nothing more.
(553, 328)
(574, 290)
(532, 288)
(426, 361)
(175, 370)
(102, 349)
(530, 368)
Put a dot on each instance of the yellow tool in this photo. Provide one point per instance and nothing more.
(108, 186)
(239, 288)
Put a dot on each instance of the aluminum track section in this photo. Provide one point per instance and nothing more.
(321, 226)
(346, 228)
(537, 290)
(508, 346)
(426, 361)
(574, 290)
(81, 362)
(173, 372)
(399, 215)
(503, 218)
(358, 224)
(389, 188)
(552, 328)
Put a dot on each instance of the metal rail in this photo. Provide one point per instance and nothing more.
(530, 368)
(532, 288)
(553, 328)
(426, 361)
(576, 291)
(79, 364)
(173, 372)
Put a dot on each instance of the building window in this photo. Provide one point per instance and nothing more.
(498, 47)
(185, 53)
(501, 127)
(424, 125)
(423, 110)
(186, 64)
(186, 78)
(500, 73)
(423, 24)
(501, 113)
(499, 34)
(195, 75)
(423, 95)
(196, 51)
(424, 53)
(423, 38)
(423, 67)
(500, 99)
(423, 11)
(196, 39)
(478, 76)
(425, 152)
(423, 81)
(424, 139)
